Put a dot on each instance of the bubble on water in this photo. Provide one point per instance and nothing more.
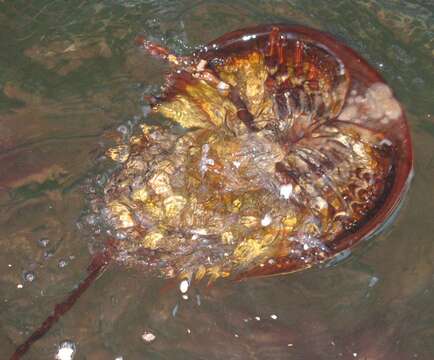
(29, 276)
(273, 316)
(66, 350)
(79, 225)
(91, 219)
(183, 286)
(123, 130)
(373, 281)
(62, 263)
(148, 336)
(146, 109)
(121, 235)
(48, 254)
(43, 242)
(175, 310)
(101, 180)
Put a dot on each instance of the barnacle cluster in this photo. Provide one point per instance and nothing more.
(279, 163)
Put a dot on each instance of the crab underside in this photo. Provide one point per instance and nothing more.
(294, 149)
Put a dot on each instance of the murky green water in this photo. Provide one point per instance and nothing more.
(70, 75)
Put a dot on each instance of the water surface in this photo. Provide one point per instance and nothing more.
(71, 80)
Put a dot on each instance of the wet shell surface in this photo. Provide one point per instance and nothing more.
(293, 150)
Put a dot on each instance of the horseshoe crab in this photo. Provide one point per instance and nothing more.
(289, 149)
(295, 150)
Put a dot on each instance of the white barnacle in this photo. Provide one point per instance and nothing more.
(266, 220)
(205, 161)
(222, 86)
(320, 203)
(349, 113)
(286, 191)
(201, 66)
(359, 149)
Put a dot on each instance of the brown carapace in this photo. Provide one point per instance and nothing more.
(292, 150)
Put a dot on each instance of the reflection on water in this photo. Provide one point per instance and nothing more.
(71, 82)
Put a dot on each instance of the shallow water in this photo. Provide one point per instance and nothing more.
(70, 76)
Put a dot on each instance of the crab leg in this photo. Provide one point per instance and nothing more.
(161, 52)
(198, 69)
